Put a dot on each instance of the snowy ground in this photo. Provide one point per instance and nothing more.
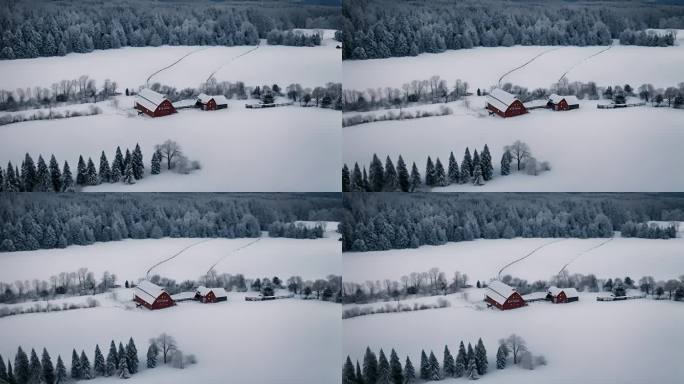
(233, 341)
(586, 341)
(482, 67)
(274, 149)
(587, 148)
(131, 66)
(131, 259)
(483, 259)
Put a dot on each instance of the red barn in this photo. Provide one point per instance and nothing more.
(503, 296)
(152, 296)
(153, 104)
(211, 103)
(211, 295)
(504, 104)
(562, 103)
(562, 295)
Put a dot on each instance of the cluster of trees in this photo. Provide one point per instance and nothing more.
(166, 346)
(649, 39)
(81, 90)
(47, 307)
(380, 29)
(53, 221)
(395, 221)
(79, 282)
(32, 30)
(295, 231)
(49, 115)
(517, 347)
(646, 231)
(291, 38)
(402, 115)
(351, 312)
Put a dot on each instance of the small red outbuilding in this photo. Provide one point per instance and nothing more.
(504, 104)
(503, 296)
(211, 103)
(152, 296)
(153, 104)
(562, 295)
(210, 295)
(562, 103)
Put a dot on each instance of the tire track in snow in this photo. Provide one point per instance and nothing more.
(527, 255)
(582, 253)
(583, 61)
(231, 60)
(147, 82)
(526, 63)
(147, 276)
(231, 252)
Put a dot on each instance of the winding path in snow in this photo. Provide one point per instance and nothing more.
(147, 276)
(231, 252)
(527, 255)
(147, 82)
(583, 61)
(583, 253)
(526, 63)
(231, 60)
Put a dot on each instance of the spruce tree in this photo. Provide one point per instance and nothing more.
(55, 175)
(112, 360)
(138, 168)
(396, 372)
(127, 160)
(506, 163)
(91, 173)
(123, 371)
(460, 360)
(132, 356)
(359, 374)
(376, 175)
(390, 176)
(470, 354)
(449, 363)
(471, 372)
(85, 367)
(477, 176)
(434, 370)
(501, 357)
(60, 371)
(121, 355)
(118, 166)
(384, 373)
(75, 365)
(2, 180)
(467, 166)
(440, 175)
(35, 368)
(152, 353)
(81, 172)
(105, 170)
(415, 178)
(409, 372)
(28, 174)
(10, 374)
(48, 371)
(348, 376)
(481, 357)
(99, 365)
(346, 180)
(424, 366)
(403, 177)
(370, 367)
(429, 173)
(43, 180)
(454, 175)
(12, 182)
(128, 176)
(155, 168)
(366, 183)
(486, 164)
(3, 369)
(357, 180)
(67, 179)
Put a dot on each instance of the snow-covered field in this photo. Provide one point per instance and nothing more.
(483, 259)
(281, 341)
(131, 259)
(588, 148)
(273, 149)
(587, 341)
(482, 67)
(131, 66)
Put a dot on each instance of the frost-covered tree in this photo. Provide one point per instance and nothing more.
(506, 160)
(99, 365)
(91, 173)
(81, 172)
(28, 174)
(152, 355)
(471, 371)
(47, 375)
(35, 368)
(424, 366)
(517, 346)
(454, 173)
(520, 152)
(155, 167)
(359, 374)
(67, 179)
(396, 371)
(429, 173)
(75, 366)
(415, 178)
(449, 363)
(43, 179)
(481, 357)
(384, 373)
(357, 184)
(132, 356)
(128, 176)
(112, 360)
(390, 176)
(21, 367)
(105, 170)
(86, 372)
(370, 367)
(409, 372)
(433, 367)
(403, 177)
(346, 179)
(3, 369)
(348, 375)
(460, 367)
(118, 163)
(440, 178)
(138, 167)
(486, 164)
(376, 174)
(501, 357)
(55, 175)
(166, 344)
(60, 371)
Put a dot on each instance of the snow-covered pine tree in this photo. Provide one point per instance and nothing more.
(118, 162)
(138, 169)
(501, 357)
(91, 172)
(3, 369)
(429, 173)
(47, 375)
(396, 372)
(123, 371)
(470, 354)
(10, 374)
(35, 368)
(477, 175)
(357, 184)
(155, 168)
(359, 374)
(486, 164)
(449, 363)
(440, 174)
(481, 357)
(60, 371)
(370, 367)
(112, 360)
(99, 365)
(28, 174)
(55, 175)
(346, 179)
(75, 365)
(152, 354)
(434, 369)
(506, 159)
(67, 179)
(454, 173)
(376, 174)
(105, 170)
(127, 160)
(43, 181)
(12, 183)
(366, 183)
(460, 367)
(132, 356)
(415, 178)
(389, 176)
(86, 372)
(384, 374)
(409, 372)
(424, 366)
(403, 177)
(467, 166)
(348, 376)
(128, 176)
(81, 172)
(472, 370)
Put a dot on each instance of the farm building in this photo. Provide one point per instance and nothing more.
(503, 296)
(504, 104)
(211, 103)
(210, 295)
(562, 295)
(152, 296)
(562, 103)
(153, 104)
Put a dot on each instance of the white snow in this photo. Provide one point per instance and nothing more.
(588, 148)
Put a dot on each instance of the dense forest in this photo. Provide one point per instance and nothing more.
(382, 221)
(383, 28)
(44, 28)
(34, 221)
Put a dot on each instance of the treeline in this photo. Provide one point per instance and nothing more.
(46, 29)
(295, 39)
(57, 220)
(648, 39)
(380, 29)
(646, 231)
(374, 222)
(402, 115)
(49, 115)
(81, 90)
(295, 230)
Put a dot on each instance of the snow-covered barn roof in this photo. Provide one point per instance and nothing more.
(148, 291)
(570, 99)
(149, 98)
(499, 291)
(218, 99)
(500, 99)
(218, 292)
(569, 292)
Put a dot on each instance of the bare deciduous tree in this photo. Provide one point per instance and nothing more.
(517, 346)
(166, 344)
(520, 151)
(169, 150)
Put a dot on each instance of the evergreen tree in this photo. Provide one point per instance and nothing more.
(384, 374)
(424, 366)
(357, 184)
(440, 175)
(460, 361)
(467, 166)
(348, 376)
(60, 371)
(409, 372)
(501, 357)
(105, 171)
(152, 354)
(429, 173)
(75, 366)
(99, 365)
(454, 174)
(471, 372)
(3, 369)
(138, 169)
(35, 368)
(415, 178)
(481, 357)
(12, 182)
(155, 168)
(28, 174)
(506, 163)
(366, 183)
(85, 367)
(346, 180)
(486, 164)
(128, 176)
(132, 356)
(67, 179)
(449, 363)
(121, 355)
(123, 371)
(359, 374)
(370, 367)
(48, 371)
(118, 166)
(375, 175)
(112, 360)
(10, 374)
(434, 370)
(470, 354)
(477, 176)
(81, 172)
(43, 180)
(91, 173)
(403, 177)
(55, 175)
(396, 372)
(127, 160)
(390, 176)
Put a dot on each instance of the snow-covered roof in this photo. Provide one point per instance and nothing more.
(499, 291)
(218, 292)
(219, 99)
(149, 98)
(569, 292)
(534, 296)
(183, 296)
(570, 99)
(500, 99)
(148, 291)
